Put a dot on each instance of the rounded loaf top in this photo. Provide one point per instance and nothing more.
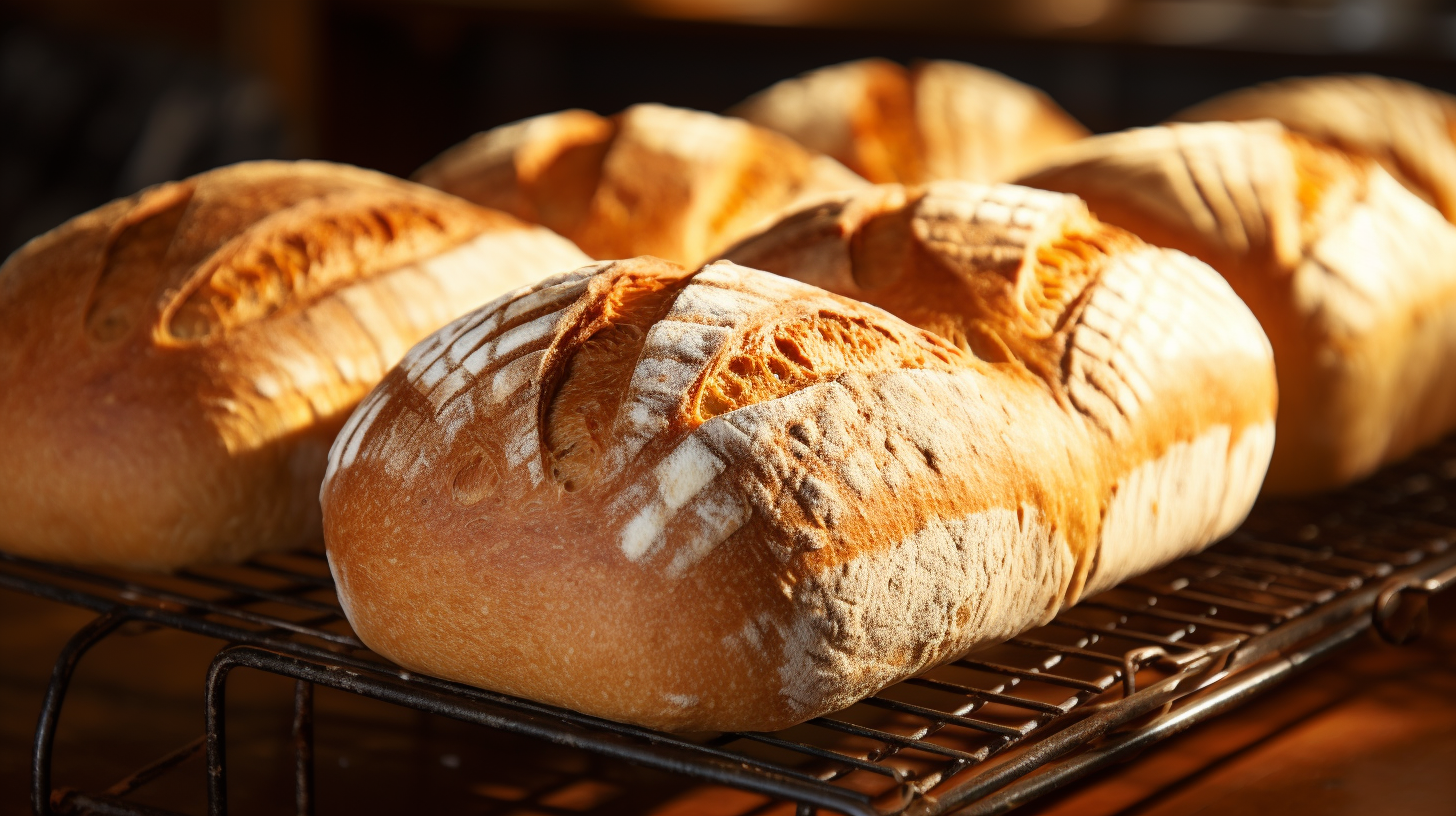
(726, 499)
(936, 120)
(652, 180)
(1345, 268)
(1408, 128)
(173, 365)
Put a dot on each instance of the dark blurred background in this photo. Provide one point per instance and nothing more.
(99, 98)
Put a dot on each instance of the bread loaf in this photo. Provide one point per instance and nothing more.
(1409, 129)
(174, 365)
(1350, 274)
(731, 500)
(652, 180)
(937, 120)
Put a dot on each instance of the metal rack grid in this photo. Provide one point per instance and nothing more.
(980, 735)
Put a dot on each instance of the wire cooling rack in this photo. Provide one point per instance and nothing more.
(981, 735)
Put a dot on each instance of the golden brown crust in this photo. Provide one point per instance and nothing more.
(791, 355)
(652, 180)
(1345, 269)
(578, 424)
(979, 125)
(937, 120)
(1018, 278)
(1409, 129)
(861, 113)
(176, 363)
(729, 500)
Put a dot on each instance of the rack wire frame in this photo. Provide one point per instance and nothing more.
(981, 735)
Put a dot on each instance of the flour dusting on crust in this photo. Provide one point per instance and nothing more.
(862, 500)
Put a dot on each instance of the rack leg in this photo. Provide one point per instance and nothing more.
(215, 719)
(303, 747)
(215, 716)
(50, 711)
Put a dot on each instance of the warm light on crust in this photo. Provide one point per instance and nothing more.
(1349, 273)
(652, 180)
(726, 499)
(174, 365)
(936, 120)
(1409, 129)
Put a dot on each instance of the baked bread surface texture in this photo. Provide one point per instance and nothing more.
(1408, 128)
(731, 500)
(174, 365)
(935, 120)
(1350, 274)
(652, 180)
(1144, 349)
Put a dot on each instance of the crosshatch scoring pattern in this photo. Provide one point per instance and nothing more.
(1297, 572)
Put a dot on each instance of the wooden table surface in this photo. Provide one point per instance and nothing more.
(1370, 732)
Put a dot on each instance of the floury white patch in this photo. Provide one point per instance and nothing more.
(361, 422)
(1195, 493)
(716, 306)
(461, 348)
(992, 205)
(677, 479)
(954, 583)
(832, 532)
(685, 471)
(546, 296)
(643, 531)
(712, 517)
(526, 334)
(513, 376)
(511, 257)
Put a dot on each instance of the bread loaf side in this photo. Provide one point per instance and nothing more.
(1348, 272)
(1409, 129)
(1144, 347)
(174, 365)
(652, 180)
(726, 499)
